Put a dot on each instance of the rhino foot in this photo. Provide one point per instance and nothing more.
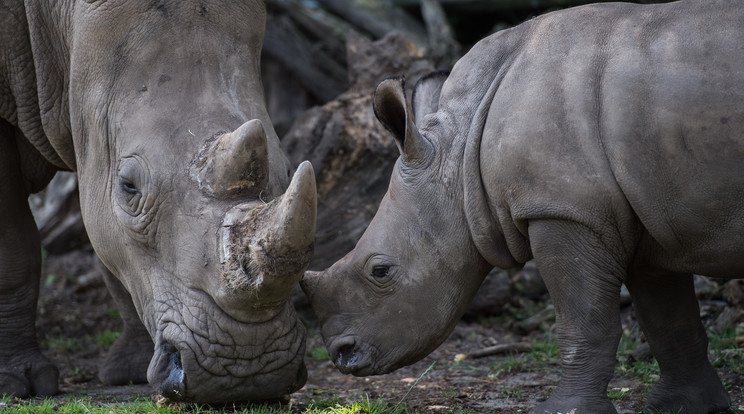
(34, 376)
(127, 359)
(575, 405)
(704, 395)
(14, 384)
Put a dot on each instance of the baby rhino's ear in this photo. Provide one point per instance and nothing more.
(393, 111)
(425, 98)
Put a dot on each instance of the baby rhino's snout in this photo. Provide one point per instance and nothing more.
(349, 358)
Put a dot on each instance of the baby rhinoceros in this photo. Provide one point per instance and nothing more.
(604, 141)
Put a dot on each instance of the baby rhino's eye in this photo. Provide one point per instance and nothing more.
(380, 271)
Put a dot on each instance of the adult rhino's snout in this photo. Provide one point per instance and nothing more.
(174, 385)
(166, 373)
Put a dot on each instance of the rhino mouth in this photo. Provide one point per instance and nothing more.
(202, 354)
(351, 356)
(174, 385)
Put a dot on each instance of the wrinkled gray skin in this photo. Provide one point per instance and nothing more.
(604, 141)
(158, 107)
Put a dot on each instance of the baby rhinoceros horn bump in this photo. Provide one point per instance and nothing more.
(236, 163)
(268, 251)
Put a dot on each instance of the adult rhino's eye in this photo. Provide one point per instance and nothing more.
(128, 187)
(380, 271)
(135, 196)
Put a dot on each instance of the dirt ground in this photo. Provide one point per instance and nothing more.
(76, 317)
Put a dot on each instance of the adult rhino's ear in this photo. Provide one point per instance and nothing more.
(425, 98)
(392, 110)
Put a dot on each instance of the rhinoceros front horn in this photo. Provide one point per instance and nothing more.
(236, 163)
(267, 252)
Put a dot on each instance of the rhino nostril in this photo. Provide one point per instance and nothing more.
(347, 359)
(174, 385)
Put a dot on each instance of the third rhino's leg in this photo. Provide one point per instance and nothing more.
(668, 312)
(583, 275)
(128, 358)
(23, 369)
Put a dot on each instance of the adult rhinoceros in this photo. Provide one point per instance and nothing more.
(607, 143)
(158, 106)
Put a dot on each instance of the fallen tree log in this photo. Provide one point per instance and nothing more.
(378, 18)
(443, 47)
(732, 341)
(317, 69)
(317, 22)
(516, 347)
(351, 152)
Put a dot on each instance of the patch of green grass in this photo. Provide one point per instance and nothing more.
(46, 406)
(464, 364)
(526, 309)
(510, 392)
(450, 393)
(545, 351)
(50, 279)
(80, 403)
(366, 406)
(37, 406)
(324, 403)
(113, 312)
(630, 340)
(317, 354)
(646, 372)
(459, 410)
(543, 354)
(63, 345)
(718, 339)
(398, 405)
(618, 393)
(507, 365)
(106, 338)
(77, 404)
(725, 350)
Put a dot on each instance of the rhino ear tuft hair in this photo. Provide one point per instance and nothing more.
(425, 98)
(395, 114)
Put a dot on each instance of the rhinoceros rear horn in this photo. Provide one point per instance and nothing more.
(236, 163)
(395, 114)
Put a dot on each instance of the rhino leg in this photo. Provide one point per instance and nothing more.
(23, 369)
(128, 358)
(668, 312)
(584, 280)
